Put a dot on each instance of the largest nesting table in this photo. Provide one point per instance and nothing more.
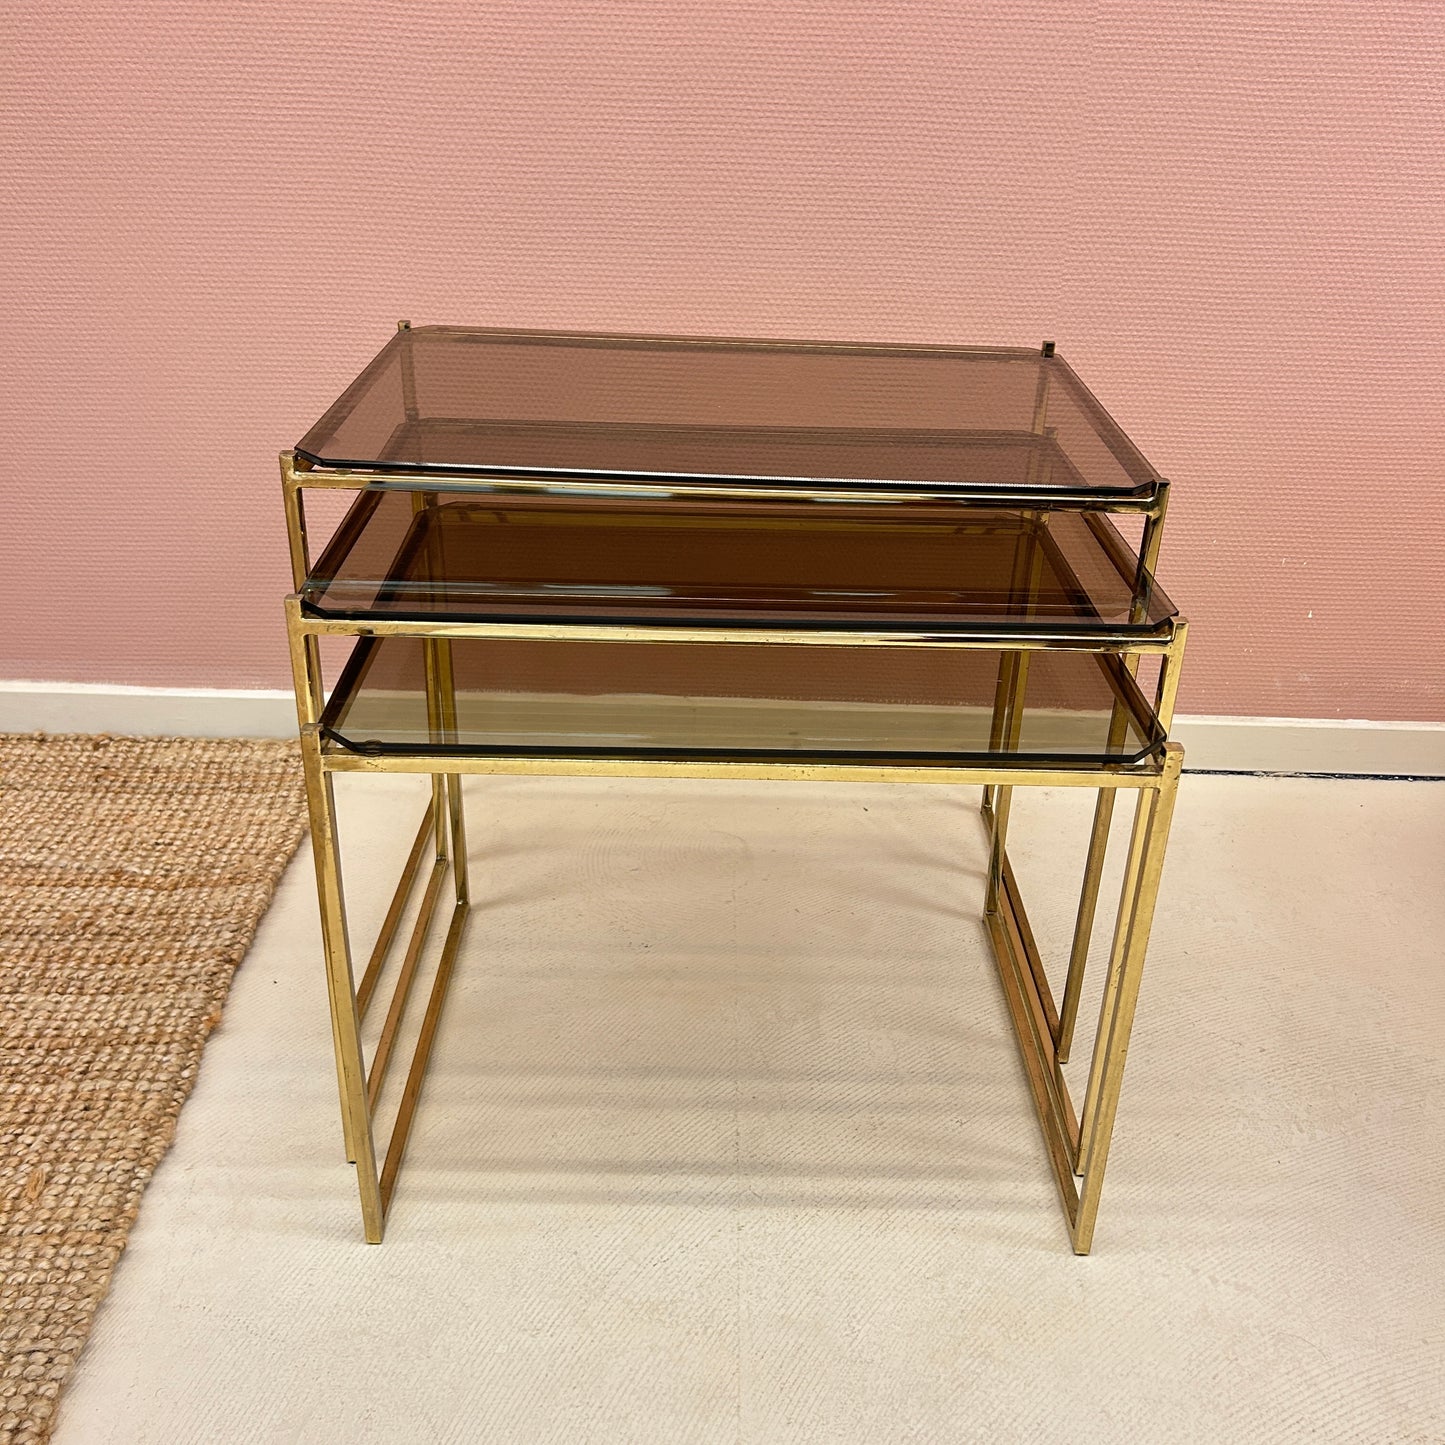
(703, 557)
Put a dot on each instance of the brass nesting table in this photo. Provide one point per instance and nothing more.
(704, 557)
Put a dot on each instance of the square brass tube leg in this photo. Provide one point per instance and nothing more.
(447, 788)
(345, 1020)
(306, 674)
(1166, 690)
(1013, 673)
(1082, 1147)
(1084, 922)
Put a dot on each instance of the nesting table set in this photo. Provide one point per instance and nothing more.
(686, 557)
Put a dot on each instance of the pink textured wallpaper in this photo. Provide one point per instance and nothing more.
(1229, 214)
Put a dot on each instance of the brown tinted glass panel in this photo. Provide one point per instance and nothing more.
(737, 700)
(449, 399)
(719, 561)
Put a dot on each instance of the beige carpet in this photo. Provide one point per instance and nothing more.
(726, 1142)
(133, 873)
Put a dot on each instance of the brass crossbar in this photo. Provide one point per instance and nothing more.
(412, 1090)
(382, 1057)
(393, 914)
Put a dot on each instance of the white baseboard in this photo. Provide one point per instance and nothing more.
(1311, 745)
(1211, 744)
(191, 712)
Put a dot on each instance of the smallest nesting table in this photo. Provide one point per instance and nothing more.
(687, 557)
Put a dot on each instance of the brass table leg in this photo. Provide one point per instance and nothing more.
(1104, 809)
(345, 1021)
(1008, 706)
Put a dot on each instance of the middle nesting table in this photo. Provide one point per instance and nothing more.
(550, 630)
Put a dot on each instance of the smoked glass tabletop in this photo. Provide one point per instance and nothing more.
(717, 701)
(720, 562)
(446, 401)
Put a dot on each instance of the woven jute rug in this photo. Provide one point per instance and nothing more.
(133, 873)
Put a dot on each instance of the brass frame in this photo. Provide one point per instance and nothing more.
(1077, 1143)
